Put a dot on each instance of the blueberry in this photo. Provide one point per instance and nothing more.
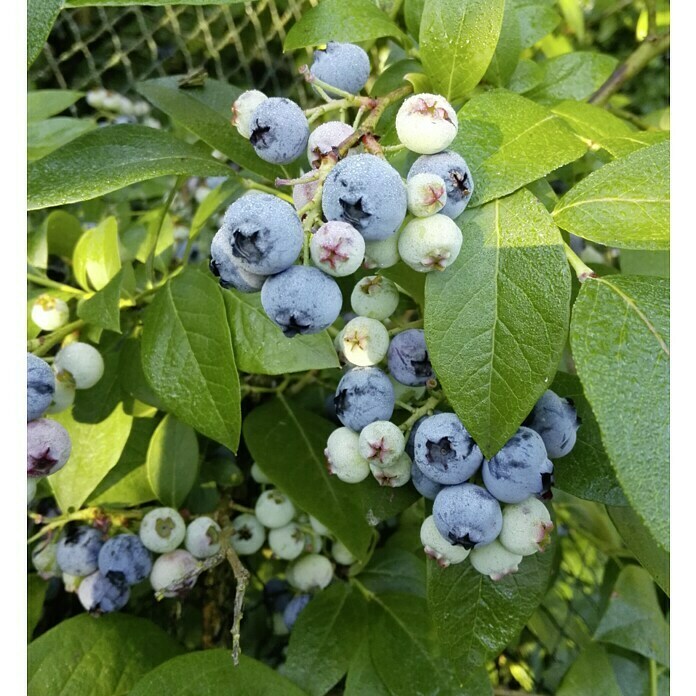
(203, 537)
(162, 530)
(84, 363)
(367, 192)
(526, 527)
(125, 554)
(301, 300)
(425, 486)
(176, 571)
(444, 451)
(556, 420)
(294, 608)
(225, 267)
(408, 358)
(278, 130)
(78, 550)
(467, 515)
(494, 560)
(263, 232)
(453, 169)
(341, 65)
(520, 469)
(324, 141)
(103, 594)
(427, 194)
(426, 123)
(430, 244)
(364, 395)
(48, 447)
(437, 547)
(242, 111)
(343, 458)
(41, 385)
(337, 248)
(276, 594)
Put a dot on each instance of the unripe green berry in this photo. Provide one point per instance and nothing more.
(318, 527)
(430, 244)
(397, 474)
(248, 534)
(341, 554)
(426, 123)
(437, 547)
(381, 443)
(494, 560)
(258, 475)
(203, 537)
(365, 341)
(343, 457)
(311, 572)
(382, 253)
(274, 509)
(427, 194)
(162, 530)
(84, 363)
(49, 313)
(526, 527)
(287, 542)
(375, 297)
(243, 109)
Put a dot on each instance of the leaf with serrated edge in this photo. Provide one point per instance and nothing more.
(624, 203)
(496, 320)
(620, 340)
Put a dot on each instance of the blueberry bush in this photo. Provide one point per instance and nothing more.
(364, 398)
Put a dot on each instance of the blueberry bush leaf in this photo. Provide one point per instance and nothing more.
(41, 15)
(44, 103)
(96, 256)
(590, 674)
(110, 158)
(278, 427)
(325, 638)
(620, 339)
(188, 360)
(260, 346)
(623, 204)
(96, 448)
(456, 33)
(537, 19)
(103, 308)
(337, 20)
(496, 322)
(172, 461)
(509, 141)
(507, 52)
(84, 657)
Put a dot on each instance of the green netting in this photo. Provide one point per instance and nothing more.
(115, 47)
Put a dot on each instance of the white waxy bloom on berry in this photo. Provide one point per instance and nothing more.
(427, 194)
(437, 547)
(243, 108)
(365, 341)
(381, 443)
(426, 123)
(396, 474)
(430, 244)
(337, 248)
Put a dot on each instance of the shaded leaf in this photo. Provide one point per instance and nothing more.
(43, 137)
(41, 15)
(95, 404)
(44, 103)
(103, 308)
(590, 674)
(36, 593)
(394, 570)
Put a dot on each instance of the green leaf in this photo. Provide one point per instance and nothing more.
(379, 503)
(362, 675)
(44, 103)
(407, 279)
(127, 483)
(262, 349)
(537, 19)
(124, 3)
(413, 11)
(476, 617)
(620, 336)
(338, 20)
(96, 257)
(590, 674)
(206, 111)
(594, 125)
(457, 41)
(633, 618)
(95, 404)
(402, 642)
(63, 231)
(640, 262)
(623, 145)
(527, 74)
(496, 321)
(624, 203)
(394, 570)
(213, 202)
(325, 638)
(103, 308)
(133, 380)
(210, 672)
(109, 158)
(96, 447)
(507, 52)
(172, 461)
(278, 427)
(509, 141)
(572, 76)
(84, 656)
(43, 137)
(586, 471)
(187, 357)
(637, 537)
(41, 16)
(36, 593)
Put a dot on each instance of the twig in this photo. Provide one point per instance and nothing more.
(41, 345)
(241, 575)
(428, 406)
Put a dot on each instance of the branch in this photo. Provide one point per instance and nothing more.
(582, 270)
(652, 47)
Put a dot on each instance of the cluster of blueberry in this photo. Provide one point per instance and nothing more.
(102, 572)
(350, 208)
(52, 389)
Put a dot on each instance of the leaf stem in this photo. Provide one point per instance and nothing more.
(150, 265)
(48, 283)
(582, 271)
(651, 47)
(653, 677)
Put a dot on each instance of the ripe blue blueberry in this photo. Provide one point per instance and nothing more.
(40, 387)
(342, 65)
(425, 486)
(264, 235)
(276, 594)
(519, 469)
(556, 420)
(467, 515)
(103, 594)
(294, 608)
(77, 552)
(444, 451)
(225, 267)
(125, 554)
(278, 130)
(408, 358)
(301, 300)
(48, 447)
(364, 395)
(366, 192)
(454, 171)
